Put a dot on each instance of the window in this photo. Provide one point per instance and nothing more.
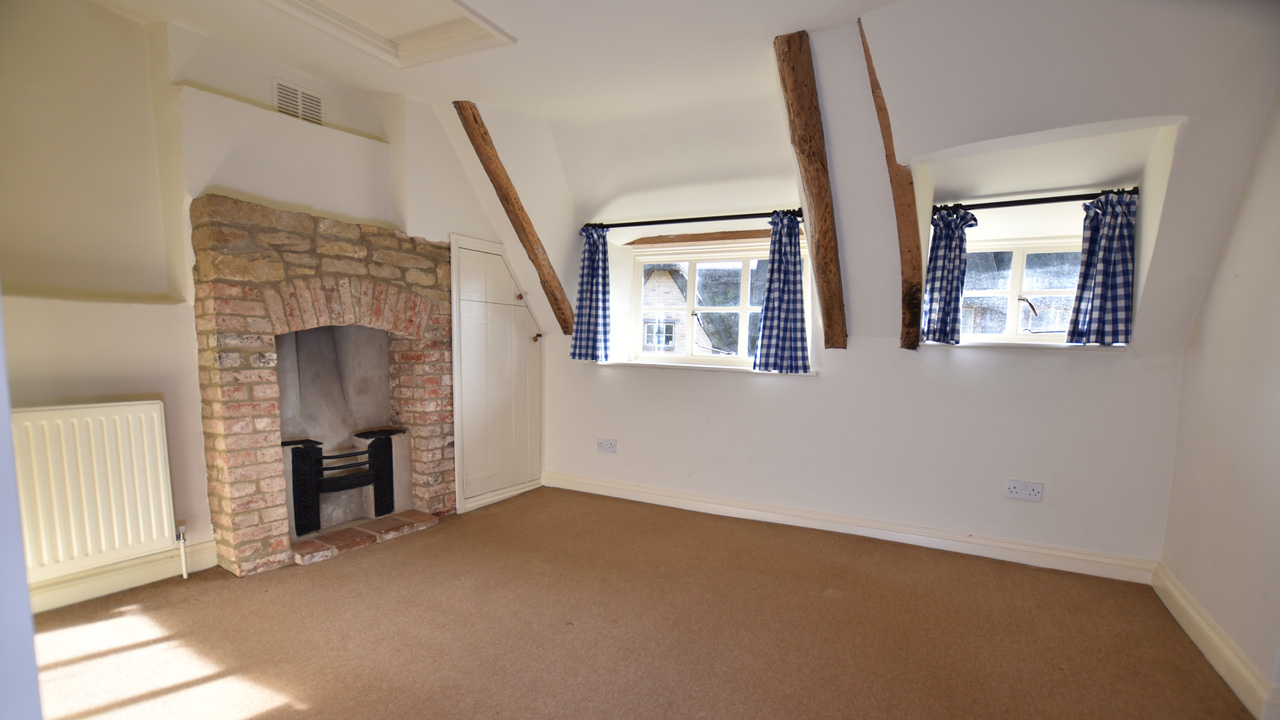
(699, 303)
(659, 336)
(1019, 290)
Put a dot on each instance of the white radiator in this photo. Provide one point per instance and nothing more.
(93, 484)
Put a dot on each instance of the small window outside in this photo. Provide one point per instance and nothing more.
(701, 304)
(1019, 290)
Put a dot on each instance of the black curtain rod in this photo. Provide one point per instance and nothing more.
(798, 213)
(1032, 201)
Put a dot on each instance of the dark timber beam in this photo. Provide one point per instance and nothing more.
(904, 206)
(795, 69)
(488, 155)
(702, 237)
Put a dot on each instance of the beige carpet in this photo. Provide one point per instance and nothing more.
(557, 604)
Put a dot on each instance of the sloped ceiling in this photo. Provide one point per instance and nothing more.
(572, 60)
(643, 96)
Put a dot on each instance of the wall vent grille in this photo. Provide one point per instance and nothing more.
(298, 102)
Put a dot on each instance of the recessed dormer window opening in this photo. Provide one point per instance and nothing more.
(1017, 265)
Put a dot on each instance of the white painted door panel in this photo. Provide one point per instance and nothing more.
(500, 380)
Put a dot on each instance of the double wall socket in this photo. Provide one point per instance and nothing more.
(607, 445)
(1020, 490)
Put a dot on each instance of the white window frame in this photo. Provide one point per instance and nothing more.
(693, 253)
(1020, 248)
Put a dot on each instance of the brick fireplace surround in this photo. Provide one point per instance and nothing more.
(262, 272)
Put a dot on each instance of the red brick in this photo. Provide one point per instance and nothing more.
(242, 409)
(253, 440)
(254, 502)
(225, 290)
(257, 472)
(246, 550)
(223, 306)
(345, 300)
(260, 531)
(292, 307)
(257, 375)
(228, 322)
(305, 303)
(262, 325)
(243, 520)
(316, 286)
(263, 564)
(236, 459)
(379, 300)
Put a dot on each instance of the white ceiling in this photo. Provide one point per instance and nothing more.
(579, 59)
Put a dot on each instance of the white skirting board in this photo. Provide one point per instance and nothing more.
(1047, 556)
(479, 501)
(1259, 696)
(1250, 685)
(121, 576)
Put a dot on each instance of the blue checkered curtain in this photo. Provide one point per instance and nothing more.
(782, 347)
(591, 326)
(944, 276)
(1102, 312)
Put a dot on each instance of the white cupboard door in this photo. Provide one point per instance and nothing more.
(500, 380)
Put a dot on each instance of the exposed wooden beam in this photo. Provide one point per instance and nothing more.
(701, 237)
(795, 69)
(488, 155)
(904, 206)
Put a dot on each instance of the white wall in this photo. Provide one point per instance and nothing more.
(1224, 517)
(203, 62)
(956, 73)
(79, 186)
(432, 196)
(256, 154)
(64, 352)
(18, 659)
(929, 438)
(677, 161)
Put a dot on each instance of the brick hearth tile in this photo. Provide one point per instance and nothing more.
(388, 527)
(347, 539)
(307, 552)
(419, 519)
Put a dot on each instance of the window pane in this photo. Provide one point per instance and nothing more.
(666, 285)
(983, 315)
(1052, 314)
(759, 274)
(988, 271)
(1052, 271)
(716, 333)
(719, 284)
(753, 333)
(664, 332)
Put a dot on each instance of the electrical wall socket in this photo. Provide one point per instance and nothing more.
(607, 445)
(1020, 490)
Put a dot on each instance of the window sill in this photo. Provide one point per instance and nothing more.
(693, 366)
(1029, 346)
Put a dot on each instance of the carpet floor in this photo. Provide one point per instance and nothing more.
(557, 604)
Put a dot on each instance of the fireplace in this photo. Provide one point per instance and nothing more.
(262, 273)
